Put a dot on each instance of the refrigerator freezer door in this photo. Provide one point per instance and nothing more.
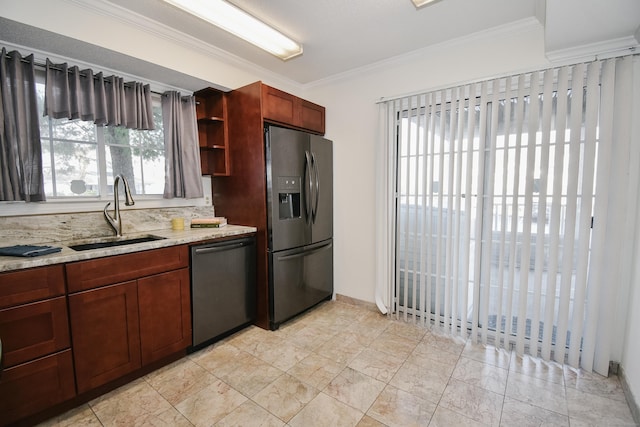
(288, 199)
(300, 278)
(322, 183)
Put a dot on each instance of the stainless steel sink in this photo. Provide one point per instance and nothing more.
(113, 242)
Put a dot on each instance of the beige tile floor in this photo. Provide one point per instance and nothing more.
(344, 365)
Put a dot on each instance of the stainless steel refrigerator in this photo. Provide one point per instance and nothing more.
(300, 221)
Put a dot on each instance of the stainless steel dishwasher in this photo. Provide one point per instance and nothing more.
(223, 290)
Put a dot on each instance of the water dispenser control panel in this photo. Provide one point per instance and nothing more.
(289, 188)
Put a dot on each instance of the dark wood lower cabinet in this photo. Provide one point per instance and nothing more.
(164, 302)
(36, 385)
(123, 317)
(105, 334)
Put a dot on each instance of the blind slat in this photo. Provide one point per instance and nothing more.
(598, 271)
(586, 203)
(523, 290)
(482, 137)
(541, 221)
(448, 282)
(554, 222)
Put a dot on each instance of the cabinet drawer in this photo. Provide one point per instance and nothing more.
(34, 386)
(23, 286)
(83, 275)
(34, 330)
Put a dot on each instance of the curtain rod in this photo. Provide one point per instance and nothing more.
(44, 66)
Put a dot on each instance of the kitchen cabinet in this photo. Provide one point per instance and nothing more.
(241, 196)
(127, 311)
(33, 284)
(211, 113)
(283, 108)
(31, 387)
(33, 330)
(105, 331)
(212, 106)
(164, 302)
(37, 370)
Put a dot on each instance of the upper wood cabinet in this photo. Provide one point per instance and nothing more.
(211, 112)
(283, 108)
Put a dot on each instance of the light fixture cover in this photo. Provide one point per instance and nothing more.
(419, 3)
(239, 23)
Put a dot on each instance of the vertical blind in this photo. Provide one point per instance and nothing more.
(509, 201)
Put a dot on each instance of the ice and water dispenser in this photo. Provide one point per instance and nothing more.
(289, 188)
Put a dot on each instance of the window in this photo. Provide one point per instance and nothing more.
(80, 159)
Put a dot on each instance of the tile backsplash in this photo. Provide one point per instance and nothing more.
(35, 229)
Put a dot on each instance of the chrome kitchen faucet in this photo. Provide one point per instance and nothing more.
(116, 221)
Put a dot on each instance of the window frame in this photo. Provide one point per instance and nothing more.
(67, 205)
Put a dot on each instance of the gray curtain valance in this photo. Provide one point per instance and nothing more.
(107, 101)
(182, 152)
(20, 150)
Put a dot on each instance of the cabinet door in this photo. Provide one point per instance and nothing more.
(279, 106)
(33, 330)
(312, 116)
(34, 386)
(105, 334)
(165, 314)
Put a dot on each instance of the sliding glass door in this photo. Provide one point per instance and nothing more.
(494, 190)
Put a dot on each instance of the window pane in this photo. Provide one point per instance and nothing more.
(75, 170)
(137, 155)
(74, 130)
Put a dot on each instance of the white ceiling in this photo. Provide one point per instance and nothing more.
(342, 35)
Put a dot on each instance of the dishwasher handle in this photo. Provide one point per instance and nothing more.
(220, 247)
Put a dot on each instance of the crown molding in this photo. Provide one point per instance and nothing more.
(598, 50)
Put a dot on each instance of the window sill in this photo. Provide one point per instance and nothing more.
(68, 207)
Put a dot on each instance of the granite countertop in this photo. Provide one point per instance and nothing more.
(171, 238)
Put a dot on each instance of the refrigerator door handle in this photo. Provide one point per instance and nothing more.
(317, 179)
(308, 193)
(306, 251)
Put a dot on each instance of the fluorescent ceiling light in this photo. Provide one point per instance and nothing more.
(419, 3)
(239, 23)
